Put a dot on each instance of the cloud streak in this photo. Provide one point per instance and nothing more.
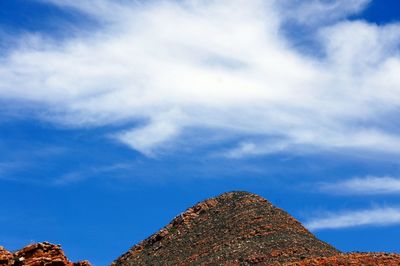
(165, 67)
(372, 217)
(316, 11)
(370, 185)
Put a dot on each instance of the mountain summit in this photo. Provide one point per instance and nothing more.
(233, 228)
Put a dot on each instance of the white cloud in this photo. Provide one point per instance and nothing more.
(215, 65)
(372, 217)
(367, 185)
(144, 139)
(245, 149)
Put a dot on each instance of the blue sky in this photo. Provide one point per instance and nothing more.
(116, 116)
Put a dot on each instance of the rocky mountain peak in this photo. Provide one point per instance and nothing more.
(235, 227)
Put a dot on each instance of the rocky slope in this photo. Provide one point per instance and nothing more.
(234, 228)
(41, 254)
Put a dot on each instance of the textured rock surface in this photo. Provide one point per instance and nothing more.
(6, 257)
(41, 254)
(352, 259)
(236, 228)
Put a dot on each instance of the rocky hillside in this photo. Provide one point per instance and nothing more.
(41, 254)
(234, 228)
(239, 228)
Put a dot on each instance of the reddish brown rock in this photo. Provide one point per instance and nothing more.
(41, 254)
(352, 259)
(82, 263)
(236, 228)
(6, 257)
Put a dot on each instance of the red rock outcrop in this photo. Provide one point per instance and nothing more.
(40, 254)
(6, 257)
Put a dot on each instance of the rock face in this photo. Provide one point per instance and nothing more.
(236, 228)
(41, 254)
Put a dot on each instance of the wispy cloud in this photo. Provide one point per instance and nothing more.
(370, 185)
(7, 167)
(171, 66)
(371, 217)
(315, 11)
(251, 148)
(70, 178)
(88, 173)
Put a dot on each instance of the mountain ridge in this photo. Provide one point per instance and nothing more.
(235, 228)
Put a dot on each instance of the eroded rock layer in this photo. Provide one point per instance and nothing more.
(352, 259)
